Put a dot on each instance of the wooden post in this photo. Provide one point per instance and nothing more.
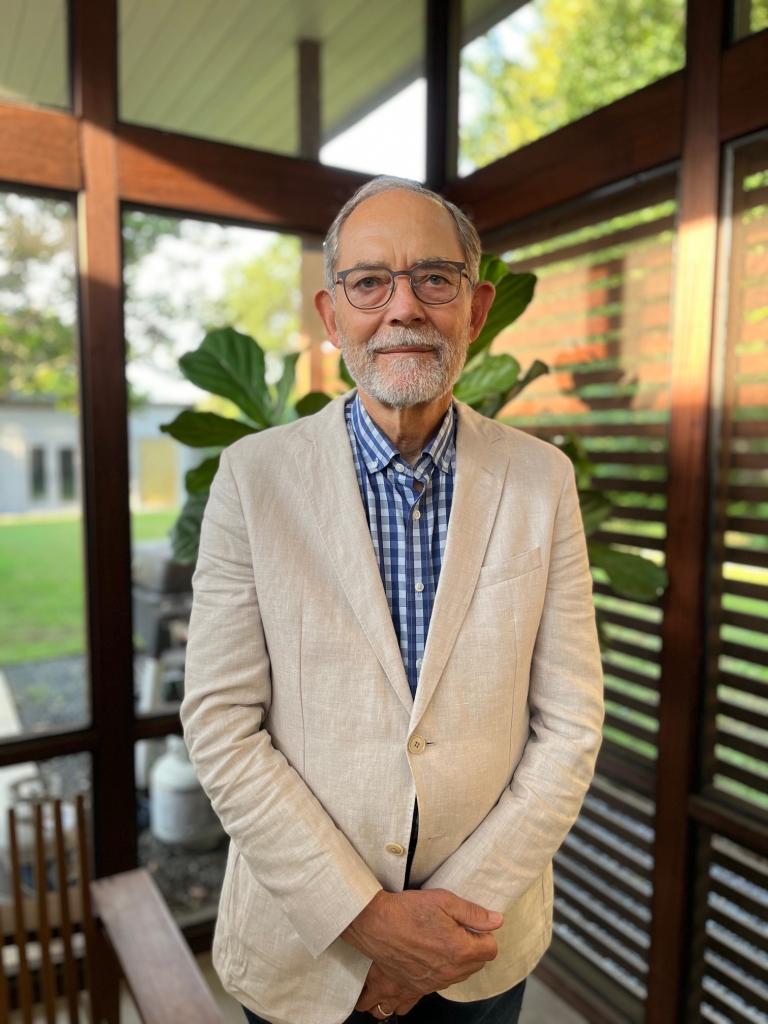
(684, 628)
(105, 435)
(443, 46)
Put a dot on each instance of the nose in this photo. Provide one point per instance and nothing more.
(404, 308)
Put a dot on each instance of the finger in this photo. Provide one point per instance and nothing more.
(472, 915)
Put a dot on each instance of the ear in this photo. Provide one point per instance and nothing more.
(482, 300)
(326, 308)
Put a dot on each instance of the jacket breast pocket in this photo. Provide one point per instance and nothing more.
(510, 568)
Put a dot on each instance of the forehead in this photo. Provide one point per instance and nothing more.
(398, 226)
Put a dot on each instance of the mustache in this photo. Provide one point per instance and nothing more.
(397, 337)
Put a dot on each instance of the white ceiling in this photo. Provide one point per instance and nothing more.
(228, 69)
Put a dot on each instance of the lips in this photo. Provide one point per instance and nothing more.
(403, 350)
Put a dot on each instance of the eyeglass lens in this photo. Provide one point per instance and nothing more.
(432, 283)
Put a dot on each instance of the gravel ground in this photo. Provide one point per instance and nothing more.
(54, 695)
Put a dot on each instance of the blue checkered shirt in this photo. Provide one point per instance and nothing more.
(407, 508)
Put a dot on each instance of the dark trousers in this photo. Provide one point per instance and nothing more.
(433, 1009)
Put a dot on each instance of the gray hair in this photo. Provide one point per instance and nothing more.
(465, 229)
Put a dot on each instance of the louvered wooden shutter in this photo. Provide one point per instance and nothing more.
(730, 966)
(601, 320)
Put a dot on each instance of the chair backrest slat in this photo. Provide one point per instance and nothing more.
(89, 931)
(23, 976)
(4, 993)
(70, 967)
(43, 928)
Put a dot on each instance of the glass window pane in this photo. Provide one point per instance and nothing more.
(738, 764)
(181, 841)
(374, 93)
(226, 70)
(184, 278)
(21, 786)
(363, 94)
(749, 16)
(550, 62)
(43, 676)
(33, 52)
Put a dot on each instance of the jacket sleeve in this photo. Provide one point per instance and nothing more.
(512, 846)
(289, 842)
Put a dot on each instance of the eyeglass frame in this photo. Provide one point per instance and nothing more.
(460, 265)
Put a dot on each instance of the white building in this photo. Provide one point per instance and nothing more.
(40, 466)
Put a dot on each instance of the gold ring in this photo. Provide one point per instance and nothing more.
(387, 1013)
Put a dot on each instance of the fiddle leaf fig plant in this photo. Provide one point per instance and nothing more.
(232, 365)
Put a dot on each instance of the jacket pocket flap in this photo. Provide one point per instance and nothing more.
(510, 568)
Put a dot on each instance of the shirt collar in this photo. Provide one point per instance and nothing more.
(378, 451)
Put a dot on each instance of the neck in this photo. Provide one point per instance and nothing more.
(409, 429)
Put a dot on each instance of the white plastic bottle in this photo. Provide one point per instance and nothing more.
(179, 810)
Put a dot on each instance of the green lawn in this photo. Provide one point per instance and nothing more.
(41, 584)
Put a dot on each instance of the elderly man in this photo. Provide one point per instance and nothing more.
(393, 689)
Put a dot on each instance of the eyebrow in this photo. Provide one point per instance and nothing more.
(424, 261)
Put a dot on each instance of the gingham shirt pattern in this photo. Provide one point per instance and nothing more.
(408, 526)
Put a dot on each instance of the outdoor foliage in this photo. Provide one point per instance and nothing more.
(37, 337)
(578, 55)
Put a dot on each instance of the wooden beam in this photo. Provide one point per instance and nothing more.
(310, 107)
(442, 67)
(683, 629)
(178, 173)
(710, 810)
(105, 436)
(635, 134)
(40, 148)
(744, 87)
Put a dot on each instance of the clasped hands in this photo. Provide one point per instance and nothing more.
(420, 941)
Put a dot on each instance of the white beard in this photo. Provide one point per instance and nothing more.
(409, 379)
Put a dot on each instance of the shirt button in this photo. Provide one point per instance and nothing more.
(419, 587)
(395, 848)
(418, 663)
(416, 514)
(417, 744)
(399, 467)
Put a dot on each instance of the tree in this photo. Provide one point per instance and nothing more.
(37, 299)
(576, 56)
(262, 296)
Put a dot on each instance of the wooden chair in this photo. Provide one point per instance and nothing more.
(67, 940)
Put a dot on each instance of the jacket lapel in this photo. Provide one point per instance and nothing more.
(481, 467)
(327, 471)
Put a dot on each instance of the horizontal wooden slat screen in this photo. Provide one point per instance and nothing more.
(603, 883)
(737, 754)
(734, 973)
(601, 320)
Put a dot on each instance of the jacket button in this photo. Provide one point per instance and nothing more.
(417, 744)
(395, 848)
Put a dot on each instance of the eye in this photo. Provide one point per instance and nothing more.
(368, 281)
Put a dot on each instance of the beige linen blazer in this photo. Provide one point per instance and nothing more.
(302, 728)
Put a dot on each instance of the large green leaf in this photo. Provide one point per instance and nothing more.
(185, 536)
(285, 385)
(493, 375)
(595, 509)
(312, 403)
(576, 451)
(206, 429)
(513, 294)
(632, 576)
(199, 478)
(231, 364)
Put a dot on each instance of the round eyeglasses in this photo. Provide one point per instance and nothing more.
(433, 283)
